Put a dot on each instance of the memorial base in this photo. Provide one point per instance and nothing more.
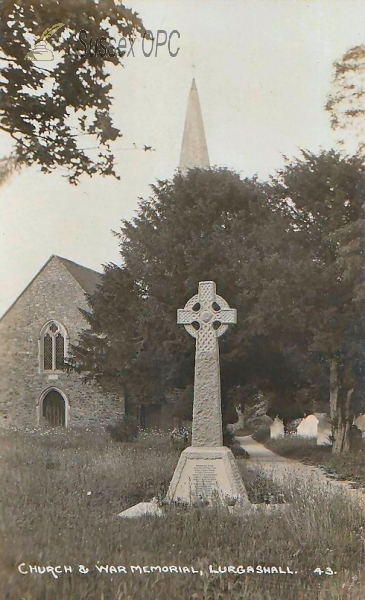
(208, 473)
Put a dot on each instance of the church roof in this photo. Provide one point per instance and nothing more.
(87, 278)
(194, 151)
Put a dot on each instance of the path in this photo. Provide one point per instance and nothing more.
(280, 468)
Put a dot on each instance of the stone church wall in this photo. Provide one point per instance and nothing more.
(53, 294)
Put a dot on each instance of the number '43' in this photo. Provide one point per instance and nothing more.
(326, 571)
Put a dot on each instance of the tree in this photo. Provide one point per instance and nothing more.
(288, 255)
(322, 199)
(346, 103)
(8, 165)
(207, 225)
(49, 111)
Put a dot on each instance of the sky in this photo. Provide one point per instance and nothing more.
(263, 70)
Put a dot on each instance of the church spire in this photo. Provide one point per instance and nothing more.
(194, 151)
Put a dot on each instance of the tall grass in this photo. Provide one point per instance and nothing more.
(60, 496)
(349, 465)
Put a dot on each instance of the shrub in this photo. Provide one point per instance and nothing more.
(262, 435)
(124, 430)
(228, 437)
(239, 452)
(180, 438)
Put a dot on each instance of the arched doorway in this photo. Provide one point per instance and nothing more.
(54, 409)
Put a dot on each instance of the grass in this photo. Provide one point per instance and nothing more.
(347, 466)
(59, 500)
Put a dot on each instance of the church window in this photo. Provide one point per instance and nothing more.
(60, 351)
(53, 347)
(48, 344)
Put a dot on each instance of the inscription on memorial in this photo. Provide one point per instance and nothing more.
(205, 479)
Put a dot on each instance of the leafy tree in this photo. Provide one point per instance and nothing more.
(8, 165)
(207, 225)
(288, 256)
(346, 103)
(322, 199)
(49, 111)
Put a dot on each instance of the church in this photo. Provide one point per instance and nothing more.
(37, 330)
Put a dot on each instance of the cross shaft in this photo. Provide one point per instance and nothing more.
(206, 316)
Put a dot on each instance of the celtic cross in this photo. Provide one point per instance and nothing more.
(206, 316)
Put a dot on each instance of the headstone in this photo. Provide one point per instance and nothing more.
(308, 427)
(207, 470)
(360, 424)
(276, 429)
(324, 431)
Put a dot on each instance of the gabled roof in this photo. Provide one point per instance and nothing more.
(87, 278)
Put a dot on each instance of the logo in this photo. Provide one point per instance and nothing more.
(43, 50)
(110, 47)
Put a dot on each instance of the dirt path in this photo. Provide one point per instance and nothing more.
(280, 468)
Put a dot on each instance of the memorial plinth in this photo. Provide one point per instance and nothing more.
(207, 470)
(207, 473)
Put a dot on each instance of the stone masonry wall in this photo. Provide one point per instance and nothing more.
(53, 294)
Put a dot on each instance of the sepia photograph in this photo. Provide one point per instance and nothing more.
(182, 300)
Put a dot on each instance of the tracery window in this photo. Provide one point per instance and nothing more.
(53, 344)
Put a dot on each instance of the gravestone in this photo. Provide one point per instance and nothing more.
(324, 430)
(360, 424)
(308, 427)
(276, 429)
(207, 470)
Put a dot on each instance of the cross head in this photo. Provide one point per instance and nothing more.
(206, 315)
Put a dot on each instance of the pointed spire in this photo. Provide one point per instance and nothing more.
(194, 151)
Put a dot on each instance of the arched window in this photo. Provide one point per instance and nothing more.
(53, 347)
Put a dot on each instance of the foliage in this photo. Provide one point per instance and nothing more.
(124, 430)
(180, 438)
(263, 489)
(228, 437)
(49, 111)
(8, 165)
(322, 198)
(239, 452)
(346, 103)
(184, 405)
(262, 435)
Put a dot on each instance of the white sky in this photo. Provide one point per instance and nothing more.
(263, 70)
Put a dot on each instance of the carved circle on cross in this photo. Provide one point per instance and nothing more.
(207, 317)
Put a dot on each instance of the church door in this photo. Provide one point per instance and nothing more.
(54, 409)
